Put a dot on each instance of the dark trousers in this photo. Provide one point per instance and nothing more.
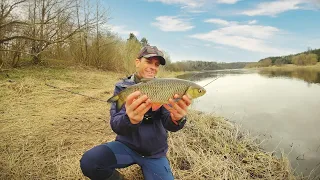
(99, 162)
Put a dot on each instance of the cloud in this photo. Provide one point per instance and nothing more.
(215, 47)
(227, 1)
(227, 23)
(256, 31)
(196, 11)
(193, 4)
(122, 30)
(276, 7)
(220, 22)
(253, 22)
(248, 37)
(184, 3)
(172, 23)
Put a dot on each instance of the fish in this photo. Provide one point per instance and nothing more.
(159, 90)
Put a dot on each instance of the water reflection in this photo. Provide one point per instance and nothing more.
(310, 76)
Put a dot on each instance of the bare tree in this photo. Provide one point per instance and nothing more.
(48, 19)
(49, 22)
(91, 46)
(7, 20)
(60, 29)
(101, 19)
(81, 44)
(9, 27)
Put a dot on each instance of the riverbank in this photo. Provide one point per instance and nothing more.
(45, 131)
(291, 67)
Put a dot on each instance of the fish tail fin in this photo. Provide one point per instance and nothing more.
(113, 99)
(118, 101)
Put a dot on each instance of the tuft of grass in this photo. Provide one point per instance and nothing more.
(45, 131)
(22, 87)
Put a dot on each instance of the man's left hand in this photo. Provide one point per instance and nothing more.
(178, 109)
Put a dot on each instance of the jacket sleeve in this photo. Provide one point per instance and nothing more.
(119, 121)
(168, 123)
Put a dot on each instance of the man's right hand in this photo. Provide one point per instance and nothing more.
(137, 106)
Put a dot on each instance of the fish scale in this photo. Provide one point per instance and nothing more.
(167, 89)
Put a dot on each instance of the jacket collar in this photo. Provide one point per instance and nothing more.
(127, 81)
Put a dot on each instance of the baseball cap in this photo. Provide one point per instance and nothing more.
(152, 51)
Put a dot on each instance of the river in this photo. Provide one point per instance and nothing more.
(282, 107)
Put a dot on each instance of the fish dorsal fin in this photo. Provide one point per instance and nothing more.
(145, 80)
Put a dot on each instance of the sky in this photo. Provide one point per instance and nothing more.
(219, 30)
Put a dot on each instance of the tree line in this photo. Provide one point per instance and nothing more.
(203, 65)
(34, 32)
(309, 57)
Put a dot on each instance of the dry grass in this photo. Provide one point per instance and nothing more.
(44, 132)
(212, 148)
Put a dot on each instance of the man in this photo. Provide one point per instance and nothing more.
(141, 133)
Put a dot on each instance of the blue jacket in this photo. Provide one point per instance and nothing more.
(149, 137)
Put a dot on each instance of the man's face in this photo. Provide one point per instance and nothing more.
(147, 68)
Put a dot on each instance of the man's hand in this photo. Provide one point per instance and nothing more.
(179, 109)
(137, 107)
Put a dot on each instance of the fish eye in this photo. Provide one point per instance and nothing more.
(200, 90)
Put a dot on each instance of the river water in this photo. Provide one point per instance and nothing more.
(282, 107)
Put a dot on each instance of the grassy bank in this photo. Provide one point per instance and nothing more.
(308, 74)
(292, 67)
(44, 131)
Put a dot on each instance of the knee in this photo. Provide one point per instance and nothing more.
(97, 162)
(88, 164)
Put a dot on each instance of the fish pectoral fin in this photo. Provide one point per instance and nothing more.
(156, 106)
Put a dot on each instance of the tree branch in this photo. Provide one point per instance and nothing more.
(20, 37)
(11, 8)
(13, 22)
(22, 52)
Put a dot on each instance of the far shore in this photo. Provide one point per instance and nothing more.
(290, 67)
